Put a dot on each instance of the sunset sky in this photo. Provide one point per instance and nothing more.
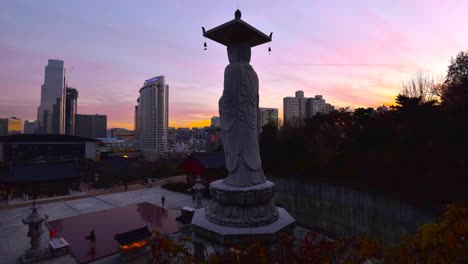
(354, 53)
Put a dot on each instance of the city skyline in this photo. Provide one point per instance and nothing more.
(354, 54)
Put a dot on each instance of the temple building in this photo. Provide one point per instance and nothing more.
(43, 164)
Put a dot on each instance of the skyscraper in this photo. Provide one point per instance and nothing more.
(71, 107)
(30, 126)
(93, 126)
(50, 114)
(152, 118)
(267, 116)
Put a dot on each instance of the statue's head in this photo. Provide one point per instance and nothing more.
(240, 52)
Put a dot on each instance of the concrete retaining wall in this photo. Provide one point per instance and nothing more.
(343, 210)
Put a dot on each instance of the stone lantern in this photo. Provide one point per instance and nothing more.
(198, 190)
(35, 231)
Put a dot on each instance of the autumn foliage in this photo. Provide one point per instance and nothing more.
(443, 242)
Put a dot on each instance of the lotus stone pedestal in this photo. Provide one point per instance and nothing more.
(241, 215)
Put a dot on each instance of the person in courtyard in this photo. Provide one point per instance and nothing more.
(126, 186)
(92, 238)
(163, 199)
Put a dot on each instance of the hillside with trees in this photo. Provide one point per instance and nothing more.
(418, 149)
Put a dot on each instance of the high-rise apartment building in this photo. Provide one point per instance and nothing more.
(296, 109)
(267, 116)
(318, 105)
(30, 126)
(10, 126)
(93, 126)
(152, 118)
(51, 112)
(71, 106)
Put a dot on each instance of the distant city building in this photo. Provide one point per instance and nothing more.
(181, 147)
(152, 118)
(215, 122)
(93, 126)
(267, 116)
(51, 112)
(382, 109)
(10, 126)
(71, 109)
(298, 108)
(30, 126)
(318, 105)
(123, 134)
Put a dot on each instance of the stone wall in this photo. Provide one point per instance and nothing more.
(342, 210)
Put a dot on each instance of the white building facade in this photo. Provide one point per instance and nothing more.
(152, 118)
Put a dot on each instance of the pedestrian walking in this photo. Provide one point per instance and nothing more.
(163, 199)
(92, 238)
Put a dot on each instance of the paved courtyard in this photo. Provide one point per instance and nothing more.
(13, 232)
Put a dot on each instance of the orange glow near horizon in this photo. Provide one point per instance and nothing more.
(190, 124)
(129, 126)
(176, 124)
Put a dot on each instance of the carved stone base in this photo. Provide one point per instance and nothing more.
(202, 228)
(34, 257)
(35, 253)
(250, 206)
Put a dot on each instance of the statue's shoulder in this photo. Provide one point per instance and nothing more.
(236, 67)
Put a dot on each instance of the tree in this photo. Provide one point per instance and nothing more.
(361, 116)
(456, 92)
(443, 242)
(421, 86)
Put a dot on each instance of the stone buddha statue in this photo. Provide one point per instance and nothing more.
(242, 207)
(238, 109)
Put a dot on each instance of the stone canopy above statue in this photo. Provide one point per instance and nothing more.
(237, 31)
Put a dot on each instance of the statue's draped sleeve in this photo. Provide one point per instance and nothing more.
(238, 110)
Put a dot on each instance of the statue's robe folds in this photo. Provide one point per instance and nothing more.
(238, 109)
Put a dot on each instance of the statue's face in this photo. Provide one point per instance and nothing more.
(239, 53)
